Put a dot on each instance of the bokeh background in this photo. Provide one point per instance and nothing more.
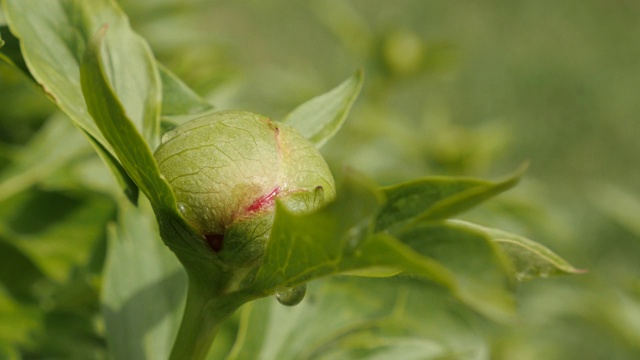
(451, 88)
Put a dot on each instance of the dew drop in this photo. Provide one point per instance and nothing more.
(293, 296)
(183, 208)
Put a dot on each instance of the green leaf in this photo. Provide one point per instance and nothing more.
(127, 143)
(203, 266)
(479, 267)
(119, 173)
(55, 230)
(54, 37)
(334, 240)
(340, 313)
(134, 153)
(144, 288)
(321, 117)
(18, 273)
(177, 97)
(436, 198)
(179, 102)
(55, 144)
(10, 52)
(302, 247)
(529, 258)
(340, 239)
(19, 320)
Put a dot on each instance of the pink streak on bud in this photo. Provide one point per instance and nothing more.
(264, 201)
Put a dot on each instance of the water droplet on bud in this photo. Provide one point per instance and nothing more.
(183, 208)
(293, 296)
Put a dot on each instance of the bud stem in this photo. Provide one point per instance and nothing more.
(205, 310)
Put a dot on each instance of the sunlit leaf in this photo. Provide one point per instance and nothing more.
(54, 37)
(127, 143)
(438, 198)
(321, 117)
(339, 239)
(531, 259)
(132, 151)
(335, 239)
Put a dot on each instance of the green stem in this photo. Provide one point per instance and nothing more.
(210, 296)
(207, 306)
(198, 327)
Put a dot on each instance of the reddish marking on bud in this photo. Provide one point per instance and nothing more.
(264, 201)
(215, 241)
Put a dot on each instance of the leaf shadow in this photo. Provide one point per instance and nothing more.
(143, 312)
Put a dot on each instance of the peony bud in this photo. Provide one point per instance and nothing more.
(228, 168)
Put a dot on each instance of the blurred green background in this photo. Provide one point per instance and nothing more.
(452, 88)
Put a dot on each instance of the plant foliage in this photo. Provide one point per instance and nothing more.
(90, 63)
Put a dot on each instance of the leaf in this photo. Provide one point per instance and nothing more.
(347, 317)
(55, 144)
(308, 246)
(136, 157)
(144, 288)
(530, 258)
(332, 240)
(19, 320)
(55, 230)
(479, 267)
(177, 97)
(129, 188)
(127, 143)
(10, 51)
(340, 239)
(436, 198)
(321, 117)
(54, 37)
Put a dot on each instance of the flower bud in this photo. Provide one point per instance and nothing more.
(228, 168)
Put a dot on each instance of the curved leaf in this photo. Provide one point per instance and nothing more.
(333, 240)
(436, 198)
(481, 271)
(321, 117)
(53, 38)
(133, 152)
(110, 117)
(530, 258)
(177, 97)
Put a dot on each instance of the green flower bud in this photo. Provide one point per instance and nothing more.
(226, 170)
